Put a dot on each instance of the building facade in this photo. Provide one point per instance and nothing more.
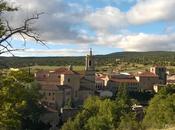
(64, 84)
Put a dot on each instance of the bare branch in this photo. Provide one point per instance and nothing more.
(24, 31)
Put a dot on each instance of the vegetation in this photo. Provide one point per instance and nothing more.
(122, 61)
(19, 96)
(161, 110)
(107, 114)
(104, 114)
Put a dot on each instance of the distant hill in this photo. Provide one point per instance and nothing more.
(152, 57)
(140, 54)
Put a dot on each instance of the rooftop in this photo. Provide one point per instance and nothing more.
(146, 74)
(124, 80)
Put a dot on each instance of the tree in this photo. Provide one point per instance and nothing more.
(19, 101)
(161, 110)
(6, 31)
(103, 114)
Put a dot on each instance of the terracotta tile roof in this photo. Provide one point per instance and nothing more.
(60, 70)
(42, 71)
(124, 80)
(170, 81)
(98, 78)
(65, 71)
(147, 74)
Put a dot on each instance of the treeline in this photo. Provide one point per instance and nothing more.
(151, 58)
(8, 62)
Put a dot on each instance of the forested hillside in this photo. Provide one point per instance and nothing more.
(152, 58)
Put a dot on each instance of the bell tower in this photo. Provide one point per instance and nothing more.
(90, 65)
(90, 70)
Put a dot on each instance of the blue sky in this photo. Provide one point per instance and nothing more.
(71, 27)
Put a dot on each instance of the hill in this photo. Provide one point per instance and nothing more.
(153, 57)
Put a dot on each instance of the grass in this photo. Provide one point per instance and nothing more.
(36, 68)
(170, 128)
(122, 67)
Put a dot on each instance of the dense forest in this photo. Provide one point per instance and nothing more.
(152, 58)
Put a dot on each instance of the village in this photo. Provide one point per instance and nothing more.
(63, 87)
(52, 79)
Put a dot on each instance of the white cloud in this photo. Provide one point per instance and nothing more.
(140, 42)
(151, 10)
(62, 23)
(49, 52)
(144, 11)
(106, 19)
(58, 21)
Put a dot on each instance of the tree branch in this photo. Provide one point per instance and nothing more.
(24, 31)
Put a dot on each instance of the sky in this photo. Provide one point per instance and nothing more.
(71, 27)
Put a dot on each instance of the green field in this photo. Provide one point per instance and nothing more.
(122, 67)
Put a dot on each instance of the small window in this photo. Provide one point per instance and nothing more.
(49, 94)
(68, 80)
(53, 98)
(89, 63)
(53, 93)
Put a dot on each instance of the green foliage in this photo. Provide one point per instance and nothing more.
(161, 110)
(102, 114)
(128, 122)
(122, 94)
(19, 100)
(106, 114)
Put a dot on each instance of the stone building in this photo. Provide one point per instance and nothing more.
(156, 76)
(142, 81)
(122, 80)
(161, 73)
(147, 80)
(64, 84)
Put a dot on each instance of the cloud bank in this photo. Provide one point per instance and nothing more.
(73, 23)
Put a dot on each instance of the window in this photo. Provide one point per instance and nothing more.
(68, 80)
(89, 63)
(53, 98)
(53, 93)
(49, 94)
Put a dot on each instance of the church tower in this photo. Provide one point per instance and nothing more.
(90, 65)
(90, 70)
